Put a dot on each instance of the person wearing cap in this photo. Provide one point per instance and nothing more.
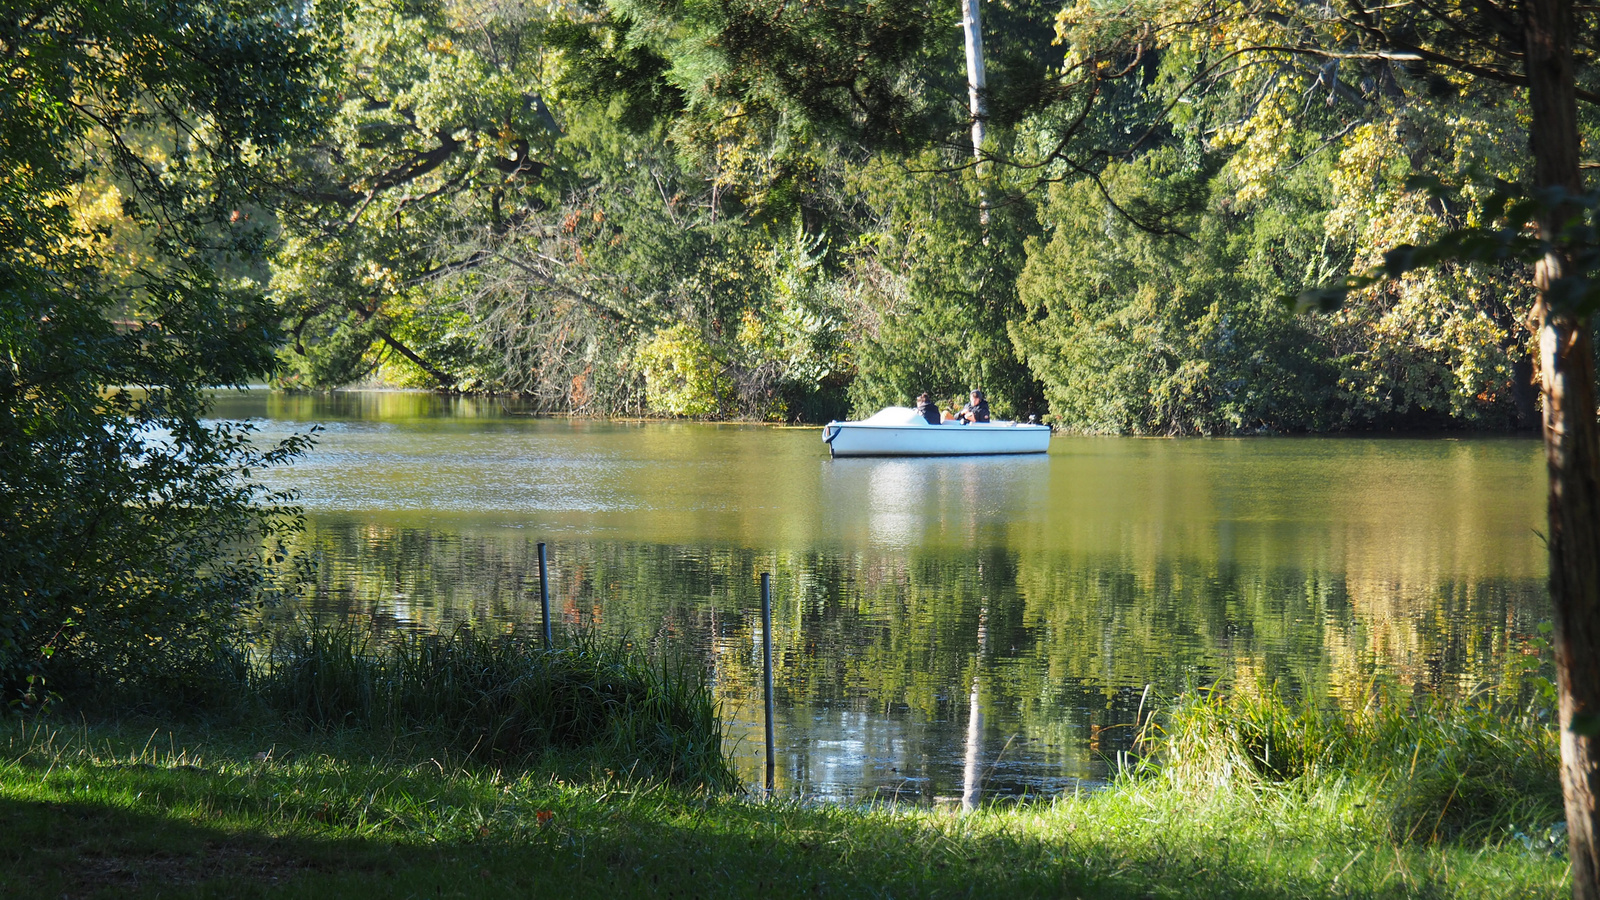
(975, 411)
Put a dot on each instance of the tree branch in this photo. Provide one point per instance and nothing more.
(445, 379)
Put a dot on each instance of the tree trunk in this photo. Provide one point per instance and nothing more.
(1571, 438)
(977, 98)
(977, 82)
(1567, 364)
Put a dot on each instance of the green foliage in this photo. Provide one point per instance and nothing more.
(682, 373)
(448, 233)
(844, 71)
(646, 289)
(794, 345)
(435, 132)
(1314, 189)
(606, 64)
(1450, 344)
(1142, 333)
(130, 532)
(1508, 234)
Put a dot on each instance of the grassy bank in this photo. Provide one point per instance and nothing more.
(1253, 797)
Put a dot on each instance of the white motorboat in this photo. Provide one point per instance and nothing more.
(902, 431)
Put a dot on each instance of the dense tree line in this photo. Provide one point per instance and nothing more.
(767, 210)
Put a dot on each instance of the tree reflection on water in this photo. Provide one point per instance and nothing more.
(906, 672)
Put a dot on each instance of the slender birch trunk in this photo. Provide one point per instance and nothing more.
(977, 90)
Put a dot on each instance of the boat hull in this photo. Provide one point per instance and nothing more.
(864, 439)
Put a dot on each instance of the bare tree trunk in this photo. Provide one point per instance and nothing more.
(1571, 438)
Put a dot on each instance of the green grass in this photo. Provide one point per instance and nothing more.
(272, 812)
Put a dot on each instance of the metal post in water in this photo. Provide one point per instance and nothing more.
(544, 597)
(766, 658)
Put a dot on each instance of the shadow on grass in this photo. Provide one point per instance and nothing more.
(83, 849)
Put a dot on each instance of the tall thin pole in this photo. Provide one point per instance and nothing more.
(544, 597)
(766, 657)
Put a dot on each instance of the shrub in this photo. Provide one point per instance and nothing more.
(683, 376)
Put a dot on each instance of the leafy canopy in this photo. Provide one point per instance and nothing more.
(130, 533)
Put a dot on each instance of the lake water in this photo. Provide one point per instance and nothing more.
(940, 626)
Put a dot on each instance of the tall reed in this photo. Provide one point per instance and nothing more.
(1438, 770)
(500, 699)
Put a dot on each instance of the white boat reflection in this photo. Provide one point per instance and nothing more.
(906, 503)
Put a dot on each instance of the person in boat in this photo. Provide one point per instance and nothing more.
(927, 408)
(975, 411)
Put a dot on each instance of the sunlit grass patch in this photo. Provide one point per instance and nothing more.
(1466, 771)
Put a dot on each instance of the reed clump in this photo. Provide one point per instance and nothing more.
(499, 699)
(1429, 769)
